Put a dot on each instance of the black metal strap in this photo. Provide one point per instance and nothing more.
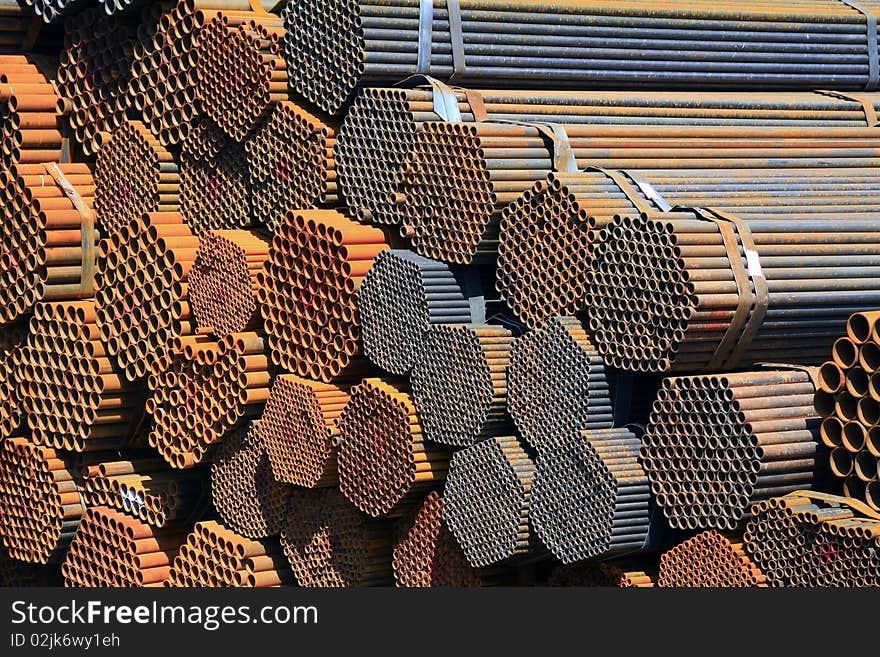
(866, 103)
(871, 28)
(556, 137)
(426, 35)
(87, 276)
(810, 370)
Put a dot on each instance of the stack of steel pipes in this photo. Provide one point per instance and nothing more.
(317, 262)
(142, 299)
(425, 552)
(716, 445)
(292, 161)
(557, 384)
(334, 48)
(203, 389)
(298, 428)
(119, 6)
(329, 543)
(604, 574)
(134, 175)
(13, 339)
(215, 556)
(223, 280)
(73, 395)
(16, 24)
(47, 236)
(15, 573)
(459, 385)
(666, 296)
(809, 539)
(402, 296)
(51, 10)
(709, 559)
(487, 501)
(547, 235)
(591, 497)
(113, 549)
(848, 400)
(40, 501)
(145, 488)
(246, 495)
(385, 461)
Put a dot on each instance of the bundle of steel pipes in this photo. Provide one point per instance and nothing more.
(385, 461)
(810, 539)
(709, 559)
(213, 555)
(40, 501)
(145, 489)
(50, 10)
(298, 427)
(13, 340)
(202, 390)
(47, 236)
(223, 280)
(329, 543)
(402, 295)
(557, 384)
(335, 47)
(119, 6)
(113, 549)
(848, 400)
(134, 175)
(699, 310)
(292, 161)
(425, 552)
(317, 262)
(487, 500)
(73, 395)
(459, 385)
(30, 109)
(246, 495)
(715, 445)
(605, 574)
(142, 299)
(591, 497)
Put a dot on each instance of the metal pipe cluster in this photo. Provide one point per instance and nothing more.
(604, 574)
(30, 109)
(51, 10)
(13, 341)
(94, 74)
(73, 395)
(402, 296)
(814, 271)
(425, 552)
(43, 253)
(487, 500)
(385, 461)
(142, 298)
(241, 71)
(246, 495)
(459, 385)
(134, 175)
(848, 400)
(317, 262)
(202, 390)
(716, 445)
(39, 501)
(215, 181)
(815, 541)
(292, 160)
(334, 47)
(215, 556)
(298, 428)
(223, 280)
(144, 488)
(329, 543)
(118, 6)
(557, 384)
(709, 559)
(591, 497)
(112, 549)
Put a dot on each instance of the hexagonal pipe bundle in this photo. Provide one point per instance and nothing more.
(709, 559)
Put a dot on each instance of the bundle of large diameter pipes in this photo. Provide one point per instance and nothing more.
(283, 303)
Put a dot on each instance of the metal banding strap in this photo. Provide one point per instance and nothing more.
(426, 34)
(87, 276)
(257, 7)
(648, 190)
(456, 38)
(871, 28)
(556, 137)
(426, 29)
(753, 293)
(856, 505)
(443, 96)
(472, 289)
(867, 105)
(809, 370)
(623, 183)
(478, 107)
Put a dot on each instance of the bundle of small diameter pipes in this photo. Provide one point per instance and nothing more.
(387, 292)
